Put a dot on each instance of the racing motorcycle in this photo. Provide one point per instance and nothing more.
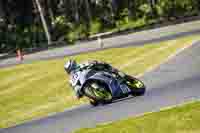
(102, 87)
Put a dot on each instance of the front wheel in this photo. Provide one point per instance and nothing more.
(97, 93)
(137, 87)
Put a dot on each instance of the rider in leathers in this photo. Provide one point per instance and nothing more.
(71, 67)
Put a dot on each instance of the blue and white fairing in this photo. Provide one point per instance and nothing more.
(117, 89)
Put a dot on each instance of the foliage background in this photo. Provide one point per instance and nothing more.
(70, 20)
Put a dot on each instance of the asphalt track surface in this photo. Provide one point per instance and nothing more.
(175, 82)
(134, 39)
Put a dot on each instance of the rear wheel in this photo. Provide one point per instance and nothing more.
(97, 93)
(93, 102)
(138, 88)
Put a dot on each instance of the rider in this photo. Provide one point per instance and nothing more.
(71, 67)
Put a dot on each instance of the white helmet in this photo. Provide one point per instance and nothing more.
(70, 66)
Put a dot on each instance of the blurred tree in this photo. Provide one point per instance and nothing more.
(21, 23)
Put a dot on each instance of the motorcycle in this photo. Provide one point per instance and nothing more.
(102, 87)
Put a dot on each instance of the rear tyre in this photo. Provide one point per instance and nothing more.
(97, 93)
(93, 102)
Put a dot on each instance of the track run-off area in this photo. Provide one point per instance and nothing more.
(173, 82)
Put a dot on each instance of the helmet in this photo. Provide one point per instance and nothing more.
(70, 66)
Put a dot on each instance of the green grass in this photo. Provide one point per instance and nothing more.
(32, 91)
(182, 119)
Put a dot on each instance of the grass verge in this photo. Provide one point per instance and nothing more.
(182, 119)
(32, 91)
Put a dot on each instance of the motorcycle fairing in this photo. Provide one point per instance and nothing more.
(109, 80)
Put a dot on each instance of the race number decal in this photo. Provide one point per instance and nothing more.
(74, 79)
(124, 89)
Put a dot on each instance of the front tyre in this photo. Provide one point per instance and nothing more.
(139, 92)
(137, 87)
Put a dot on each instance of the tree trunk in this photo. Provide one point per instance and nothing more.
(2, 14)
(152, 5)
(88, 11)
(44, 23)
(77, 17)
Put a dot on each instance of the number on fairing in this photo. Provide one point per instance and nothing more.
(124, 89)
(74, 78)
